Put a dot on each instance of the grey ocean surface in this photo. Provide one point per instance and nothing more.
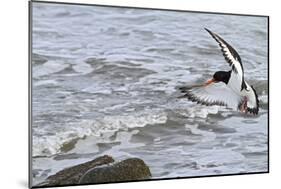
(105, 82)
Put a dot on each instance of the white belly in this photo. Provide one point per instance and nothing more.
(235, 83)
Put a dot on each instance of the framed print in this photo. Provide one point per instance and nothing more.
(122, 94)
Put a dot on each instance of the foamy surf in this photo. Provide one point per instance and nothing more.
(47, 145)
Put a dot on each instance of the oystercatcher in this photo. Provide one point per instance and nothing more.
(226, 88)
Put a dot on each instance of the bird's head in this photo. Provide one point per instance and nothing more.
(220, 76)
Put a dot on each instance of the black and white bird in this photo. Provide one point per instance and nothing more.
(226, 88)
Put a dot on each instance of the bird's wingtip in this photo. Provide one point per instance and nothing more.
(210, 32)
(207, 30)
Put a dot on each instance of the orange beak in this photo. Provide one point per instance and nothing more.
(210, 81)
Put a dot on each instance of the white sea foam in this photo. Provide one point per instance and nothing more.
(193, 110)
(200, 112)
(83, 68)
(263, 98)
(45, 82)
(49, 145)
(48, 68)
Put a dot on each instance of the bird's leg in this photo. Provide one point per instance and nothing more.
(243, 107)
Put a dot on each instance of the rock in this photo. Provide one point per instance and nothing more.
(72, 175)
(100, 170)
(127, 170)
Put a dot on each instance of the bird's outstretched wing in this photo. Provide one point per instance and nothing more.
(234, 61)
(213, 94)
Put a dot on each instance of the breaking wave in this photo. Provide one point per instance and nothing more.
(47, 145)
